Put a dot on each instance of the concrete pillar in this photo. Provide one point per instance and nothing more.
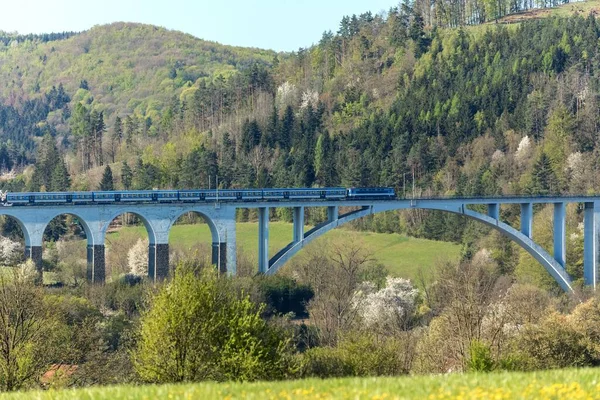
(298, 224)
(263, 239)
(35, 253)
(96, 267)
(219, 256)
(494, 210)
(591, 227)
(559, 233)
(158, 261)
(526, 219)
(332, 213)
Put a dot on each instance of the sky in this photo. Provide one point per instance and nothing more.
(282, 25)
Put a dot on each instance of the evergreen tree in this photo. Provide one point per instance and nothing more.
(107, 183)
(543, 177)
(60, 182)
(126, 176)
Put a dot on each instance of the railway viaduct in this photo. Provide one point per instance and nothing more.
(158, 219)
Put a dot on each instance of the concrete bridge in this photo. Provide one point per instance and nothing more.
(158, 219)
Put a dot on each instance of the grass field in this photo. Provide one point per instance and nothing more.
(558, 384)
(403, 256)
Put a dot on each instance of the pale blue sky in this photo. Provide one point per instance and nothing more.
(276, 24)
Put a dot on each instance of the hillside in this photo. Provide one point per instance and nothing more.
(128, 67)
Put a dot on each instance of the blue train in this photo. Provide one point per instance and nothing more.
(166, 196)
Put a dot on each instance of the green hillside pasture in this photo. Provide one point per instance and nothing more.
(557, 384)
(402, 256)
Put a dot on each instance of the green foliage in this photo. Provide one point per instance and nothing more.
(197, 328)
(480, 357)
(360, 354)
(107, 182)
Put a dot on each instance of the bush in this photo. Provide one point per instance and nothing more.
(200, 328)
(361, 354)
(480, 357)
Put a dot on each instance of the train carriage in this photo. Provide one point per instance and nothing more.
(148, 196)
(136, 196)
(378, 193)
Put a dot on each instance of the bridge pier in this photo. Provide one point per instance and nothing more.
(158, 261)
(332, 213)
(263, 239)
(35, 254)
(96, 267)
(298, 224)
(591, 236)
(559, 233)
(494, 210)
(526, 219)
(219, 256)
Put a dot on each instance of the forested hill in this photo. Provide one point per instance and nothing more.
(122, 68)
(482, 110)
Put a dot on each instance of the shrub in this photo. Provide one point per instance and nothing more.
(480, 357)
(362, 354)
(199, 328)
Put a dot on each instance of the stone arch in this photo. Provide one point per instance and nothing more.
(24, 232)
(21, 224)
(149, 227)
(541, 255)
(84, 224)
(218, 251)
(150, 232)
(36, 252)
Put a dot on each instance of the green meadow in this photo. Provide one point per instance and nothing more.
(555, 384)
(402, 256)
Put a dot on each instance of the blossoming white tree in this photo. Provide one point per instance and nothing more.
(388, 308)
(523, 152)
(137, 258)
(10, 252)
(287, 95)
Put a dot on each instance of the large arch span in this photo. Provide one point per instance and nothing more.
(556, 270)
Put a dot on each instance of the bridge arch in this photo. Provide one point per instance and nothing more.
(216, 253)
(150, 230)
(541, 255)
(22, 227)
(90, 236)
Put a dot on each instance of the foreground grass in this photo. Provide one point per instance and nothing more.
(558, 384)
(403, 256)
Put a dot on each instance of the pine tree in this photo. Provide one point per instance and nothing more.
(60, 181)
(107, 180)
(543, 177)
(126, 176)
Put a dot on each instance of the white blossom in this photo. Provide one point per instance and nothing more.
(309, 98)
(523, 152)
(575, 165)
(10, 252)
(137, 258)
(389, 307)
(287, 95)
(26, 272)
